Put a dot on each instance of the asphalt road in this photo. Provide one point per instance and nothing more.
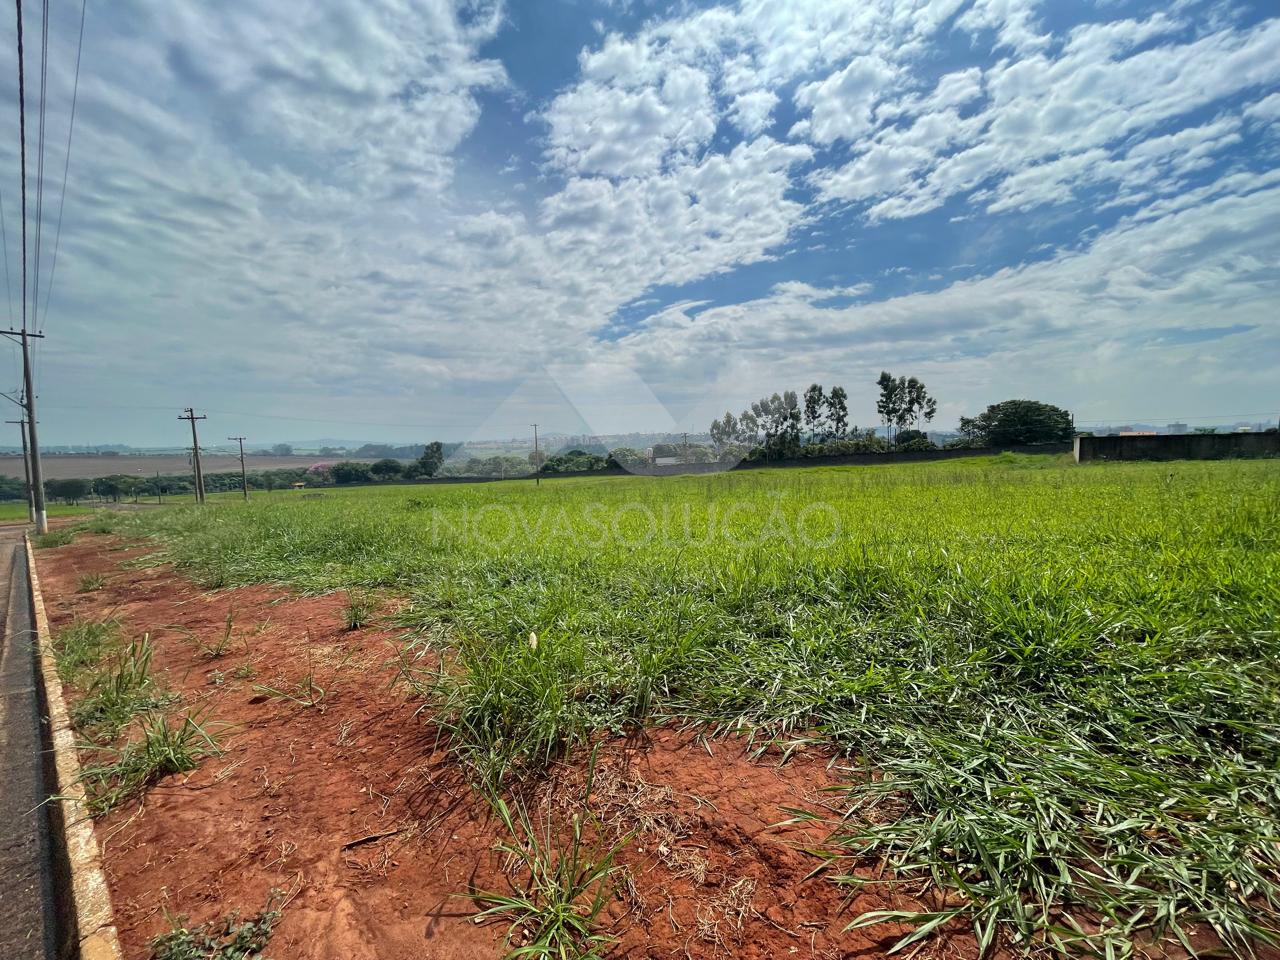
(26, 911)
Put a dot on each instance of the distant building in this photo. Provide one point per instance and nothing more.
(1178, 428)
(1137, 433)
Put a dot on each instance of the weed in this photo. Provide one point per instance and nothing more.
(243, 671)
(102, 522)
(159, 751)
(562, 884)
(227, 939)
(305, 692)
(54, 538)
(119, 692)
(219, 645)
(91, 582)
(82, 644)
(359, 610)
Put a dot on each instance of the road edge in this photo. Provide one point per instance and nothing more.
(94, 937)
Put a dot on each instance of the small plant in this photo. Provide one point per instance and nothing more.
(54, 538)
(161, 750)
(359, 610)
(555, 911)
(83, 644)
(227, 939)
(219, 645)
(101, 523)
(91, 582)
(306, 692)
(243, 672)
(119, 693)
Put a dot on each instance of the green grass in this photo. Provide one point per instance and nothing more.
(54, 538)
(119, 689)
(563, 877)
(83, 643)
(1064, 677)
(160, 750)
(17, 510)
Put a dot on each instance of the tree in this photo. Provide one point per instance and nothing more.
(815, 404)
(281, 450)
(903, 402)
(432, 459)
(537, 459)
(724, 432)
(350, 472)
(838, 411)
(1016, 422)
(72, 489)
(386, 469)
(108, 487)
(889, 406)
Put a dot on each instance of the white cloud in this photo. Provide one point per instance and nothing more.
(1053, 123)
(841, 104)
(1033, 328)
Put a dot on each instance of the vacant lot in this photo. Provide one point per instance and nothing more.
(1055, 688)
(65, 468)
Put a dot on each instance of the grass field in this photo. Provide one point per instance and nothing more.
(17, 510)
(1062, 680)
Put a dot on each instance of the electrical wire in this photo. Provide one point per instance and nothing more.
(62, 201)
(22, 144)
(8, 284)
(44, 102)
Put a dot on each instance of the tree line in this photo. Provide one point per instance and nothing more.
(817, 424)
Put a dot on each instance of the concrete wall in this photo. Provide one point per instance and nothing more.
(1180, 446)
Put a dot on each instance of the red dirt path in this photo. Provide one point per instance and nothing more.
(708, 874)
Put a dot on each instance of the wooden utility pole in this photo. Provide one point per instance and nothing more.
(190, 414)
(537, 467)
(26, 470)
(244, 480)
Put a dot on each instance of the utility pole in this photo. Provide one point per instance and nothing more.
(537, 466)
(244, 480)
(26, 470)
(190, 414)
(29, 401)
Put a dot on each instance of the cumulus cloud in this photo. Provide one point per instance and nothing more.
(356, 213)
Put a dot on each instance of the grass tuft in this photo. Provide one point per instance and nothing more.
(161, 750)
(359, 610)
(54, 538)
(559, 884)
(90, 583)
(83, 644)
(119, 691)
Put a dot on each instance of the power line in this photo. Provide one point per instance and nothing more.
(57, 237)
(8, 284)
(44, 83)
(22, 142)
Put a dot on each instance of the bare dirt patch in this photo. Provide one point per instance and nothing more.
(345, 800)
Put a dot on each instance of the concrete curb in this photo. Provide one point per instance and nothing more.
(94, 934)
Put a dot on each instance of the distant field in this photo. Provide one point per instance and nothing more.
(62, 468)
(1064, 676)
(12, 510)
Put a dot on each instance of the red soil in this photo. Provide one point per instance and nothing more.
(708, 873)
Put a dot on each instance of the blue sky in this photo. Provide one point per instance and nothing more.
(404, 219)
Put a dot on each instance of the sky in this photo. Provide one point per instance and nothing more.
(416, 219)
